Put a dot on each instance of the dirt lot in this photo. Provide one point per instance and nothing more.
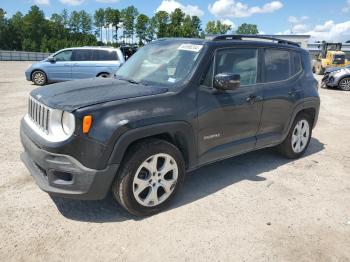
(255, 207)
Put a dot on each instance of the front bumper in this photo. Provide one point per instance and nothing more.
(328, 80)
(64, 176)
(28, 77)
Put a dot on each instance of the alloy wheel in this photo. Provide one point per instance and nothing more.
(155, 180)
(300, 137)
(345, 84)
(39, 78)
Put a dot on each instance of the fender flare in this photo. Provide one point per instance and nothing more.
(308, 103)
(181, 133)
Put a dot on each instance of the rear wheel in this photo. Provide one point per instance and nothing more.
(150, 176)
(344, 84)
(298, 138)
(39, 78)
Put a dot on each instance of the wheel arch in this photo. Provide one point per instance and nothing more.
(342, 77)
(37, 69)
(103, 72)
(309, 106)
(179, 134)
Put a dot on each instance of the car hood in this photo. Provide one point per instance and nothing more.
(72, 95)
(340, 72)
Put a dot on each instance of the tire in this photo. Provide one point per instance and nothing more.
(299, 135)
(39, 78)
(344, 84)
(103, 75)
(141, 187)
(319, 70)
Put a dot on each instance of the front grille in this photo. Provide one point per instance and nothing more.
(39, 113)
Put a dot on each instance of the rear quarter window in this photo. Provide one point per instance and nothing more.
(281, 64)
(277, 65)
(104, 55)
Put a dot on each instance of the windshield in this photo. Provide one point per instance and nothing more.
(165, 63)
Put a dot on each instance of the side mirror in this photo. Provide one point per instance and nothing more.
(51, 60)
(227, 81)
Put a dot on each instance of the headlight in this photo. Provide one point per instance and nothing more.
(29, 66)
(68, 123)
(61, 125)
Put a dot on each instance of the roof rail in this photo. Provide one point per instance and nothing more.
(240, 37)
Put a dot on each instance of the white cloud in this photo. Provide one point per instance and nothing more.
(72, 2)
(232, 8)
(42, 2)
(329, 31)
(107, 1)
(298, 24)
(347, 7)
(170, 5)
(228, 22)
(297, 20)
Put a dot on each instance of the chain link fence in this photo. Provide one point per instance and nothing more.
(22, 56)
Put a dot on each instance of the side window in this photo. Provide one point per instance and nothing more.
(241, 61)
(296, 62)
(277, 65)
(63, 56)
(104, 55)
(82, 55)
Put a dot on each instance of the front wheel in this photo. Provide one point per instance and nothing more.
(39, 78)
(151, 174)
(344, 84)
(298, 138)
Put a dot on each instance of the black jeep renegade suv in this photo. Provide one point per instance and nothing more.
(176, 105)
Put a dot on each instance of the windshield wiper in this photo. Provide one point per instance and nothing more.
(131, 81)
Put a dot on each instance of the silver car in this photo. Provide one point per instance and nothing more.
(339, 78)
(76, 63)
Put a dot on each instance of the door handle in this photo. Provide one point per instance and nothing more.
(253, 98)
(66, 64)
(293, 92)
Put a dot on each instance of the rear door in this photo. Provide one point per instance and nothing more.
(282, 91)
(61, 68)
(83, 66)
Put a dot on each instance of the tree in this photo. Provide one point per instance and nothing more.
(176, 21)
(247, 29)
(129, 15)
(85, 22)
(34, 28)
(74, 22)
(142, 23)
(99, 18)
(4, 29)
(217, 27)
(115, 22)
(191, 26)
(160, 22)
(15, 26)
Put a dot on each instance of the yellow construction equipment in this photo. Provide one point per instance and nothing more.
(330, 56)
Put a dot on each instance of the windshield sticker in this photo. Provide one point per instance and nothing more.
(190, 47)
(171, 80)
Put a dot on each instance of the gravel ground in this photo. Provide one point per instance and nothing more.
(255, 207)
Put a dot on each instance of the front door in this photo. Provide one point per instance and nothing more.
(61, 68)
(228, 120)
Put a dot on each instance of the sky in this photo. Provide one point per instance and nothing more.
(322, 19)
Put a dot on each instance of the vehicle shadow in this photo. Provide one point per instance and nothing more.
(198, 184)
